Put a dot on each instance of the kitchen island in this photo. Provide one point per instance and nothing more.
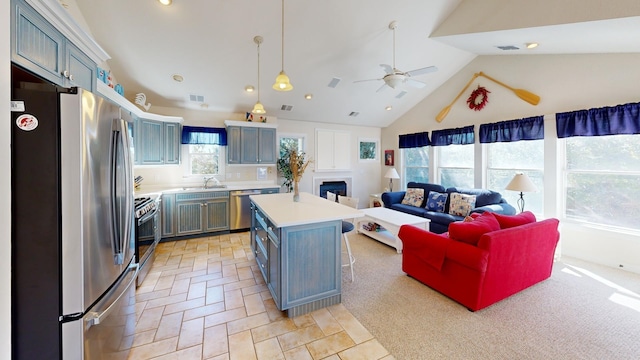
(297, 246)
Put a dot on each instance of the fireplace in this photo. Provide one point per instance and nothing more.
(336, 187)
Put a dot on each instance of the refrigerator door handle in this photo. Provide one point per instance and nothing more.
(116, 240)
(95, 318)
(128, 182)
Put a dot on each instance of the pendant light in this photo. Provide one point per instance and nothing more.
(258, 108)
(282, 80)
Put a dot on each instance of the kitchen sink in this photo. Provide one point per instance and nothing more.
(205, 188)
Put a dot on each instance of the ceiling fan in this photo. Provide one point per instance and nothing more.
(395, 77)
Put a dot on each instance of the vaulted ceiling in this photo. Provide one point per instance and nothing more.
(210, 44)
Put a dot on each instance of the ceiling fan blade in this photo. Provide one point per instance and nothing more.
(357, 81)
(424, 70)
(387, 68)
(382, 88)
(415, 83)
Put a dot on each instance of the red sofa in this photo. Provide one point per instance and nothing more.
(503, 262)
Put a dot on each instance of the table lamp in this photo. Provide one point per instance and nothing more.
(391, 174)
(521, 183)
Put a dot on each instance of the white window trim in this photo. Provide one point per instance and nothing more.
(186, 162)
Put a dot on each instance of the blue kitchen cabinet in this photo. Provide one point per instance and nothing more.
(168, 215)
(201, 212)
(39, 47)
(251, 145)
(157, 142)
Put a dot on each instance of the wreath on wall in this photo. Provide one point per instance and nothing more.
(478, 98)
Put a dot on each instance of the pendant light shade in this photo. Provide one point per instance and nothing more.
(258, 108)
(282, 80)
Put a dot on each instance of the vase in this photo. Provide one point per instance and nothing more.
(296, 192)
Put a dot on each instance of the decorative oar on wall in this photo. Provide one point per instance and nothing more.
(525, 95)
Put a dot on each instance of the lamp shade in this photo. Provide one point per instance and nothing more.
(392, 174)
(521, 183)
(258, 108)
(282, 82)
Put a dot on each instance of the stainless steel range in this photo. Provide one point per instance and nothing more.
(147, 215)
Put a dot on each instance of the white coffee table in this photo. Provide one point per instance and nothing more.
(391, 221)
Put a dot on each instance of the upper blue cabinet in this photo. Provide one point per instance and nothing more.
(41, 47)
(251, 143)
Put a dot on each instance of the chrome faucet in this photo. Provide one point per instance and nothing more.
(206, 180)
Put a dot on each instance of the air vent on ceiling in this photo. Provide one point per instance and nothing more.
(354, 113)
(334, 82)
(196, 98)
(286, 107)
(508, 47)
(401, 94)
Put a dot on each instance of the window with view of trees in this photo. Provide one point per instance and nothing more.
(505, 159)
(204, 159)
(455, 165)
(416, 164)
(602, 175)
(291, 142)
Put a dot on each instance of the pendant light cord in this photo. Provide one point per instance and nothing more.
(259, 71)
(394, 48)
(282, 57)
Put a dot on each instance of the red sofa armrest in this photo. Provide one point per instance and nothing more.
(429, 247)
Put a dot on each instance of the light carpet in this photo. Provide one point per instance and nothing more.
(584, 311)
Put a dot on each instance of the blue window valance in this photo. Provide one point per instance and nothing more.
(457, 136)
(416, 140)
(513, 130)
(204, 135)
(610, 120)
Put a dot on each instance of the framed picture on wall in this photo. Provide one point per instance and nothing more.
(368, 150)
(388, 157)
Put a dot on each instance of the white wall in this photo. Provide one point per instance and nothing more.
(564, 83)
(5, 186)
(364, 175)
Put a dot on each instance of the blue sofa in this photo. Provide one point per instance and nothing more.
(486, 200)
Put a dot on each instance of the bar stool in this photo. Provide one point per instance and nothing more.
(346, 228)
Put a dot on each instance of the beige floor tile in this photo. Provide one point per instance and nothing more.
(192, 353)
(269, 350)
(241, 346)
(239, 285)
(327, 323)
(191, 333)
(329, 345)
(205, 278)
(233, 299)
(214, 294)
(184, 305)
(154, 349)
(176, 272)
(299, 353)
(143, 337)
(351, 325)
(152, 295)
(180, 286)
(197, 290)
(254, 289)
(273, 329)
(254, 304)
(171, 299)
(225, 316)
(273, 311)
(304, 320)
(222, 281)
(247, 323)
(215, 341)
(191, 274)
(204, 311)
(300, 337)
(169, 326)
(368, 350)
(149, 320)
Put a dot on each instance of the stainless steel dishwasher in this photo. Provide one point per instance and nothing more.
(241, 208)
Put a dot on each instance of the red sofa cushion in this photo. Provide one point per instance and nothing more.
(471, 231)
(509, 221)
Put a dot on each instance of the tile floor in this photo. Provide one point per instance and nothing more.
(205, 298)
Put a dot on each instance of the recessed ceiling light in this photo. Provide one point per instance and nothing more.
(308, 96)
(177, 77)
(165, 2)
(249, 88)
(532, 45)
(204, 105)
(388, 107)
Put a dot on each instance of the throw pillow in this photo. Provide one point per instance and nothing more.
(413, 197)
(508, 221)
(471, 231)
(461, 204)
(436, 201)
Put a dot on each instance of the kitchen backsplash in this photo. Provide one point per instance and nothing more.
(173, 175)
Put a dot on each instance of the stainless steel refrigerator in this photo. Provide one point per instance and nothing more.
(72, 224)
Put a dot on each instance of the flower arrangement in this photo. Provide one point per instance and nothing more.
(292, 165)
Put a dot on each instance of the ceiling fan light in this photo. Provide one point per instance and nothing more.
(394, 80)
(282, 82)
(258, 108)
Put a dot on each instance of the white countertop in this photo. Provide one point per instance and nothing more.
(283, 211)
